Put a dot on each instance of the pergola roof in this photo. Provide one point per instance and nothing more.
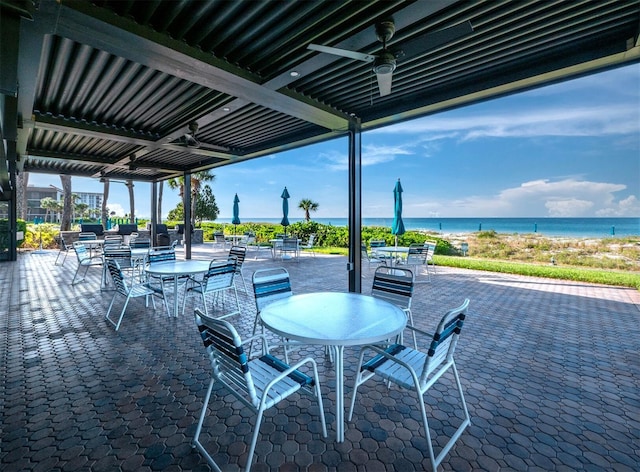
(107, 88)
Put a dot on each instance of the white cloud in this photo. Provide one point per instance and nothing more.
(605, 120)
(371, 155)
(568, 197)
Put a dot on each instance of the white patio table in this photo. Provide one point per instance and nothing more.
(336, 320)
(394, 251)
(176, 269)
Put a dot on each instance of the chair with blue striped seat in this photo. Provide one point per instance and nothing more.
(269, 285)
(85, 259)
(418, 371)
(395, 285)
(64, 248)
(129, 290)
(217, 281)
(120, 254)
(417, 257)
(259, 383)
(240, 253)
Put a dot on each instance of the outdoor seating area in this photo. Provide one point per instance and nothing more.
(546, 382)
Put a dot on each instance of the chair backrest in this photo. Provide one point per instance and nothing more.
(120, 254)
(161, 255)
(239, 252)
(140, 243)
(431, 249)
(417, 254)
(219, 238)
(310, 241)
(394, 285)
(290, 244)
(119, 281)
(377, 243)
(228, 360)
(363, 252)
(269, 285)
(81, 251)
(87, 236)
(445, 340)
(220, 275)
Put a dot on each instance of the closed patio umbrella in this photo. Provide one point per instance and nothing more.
(398, 224)
(285, 209)
(236, 214)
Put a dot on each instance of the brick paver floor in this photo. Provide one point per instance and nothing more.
(550, 369)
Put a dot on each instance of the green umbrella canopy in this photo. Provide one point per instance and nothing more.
(285, 207)
(398, 224)
(236, 211)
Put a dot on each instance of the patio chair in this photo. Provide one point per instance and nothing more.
(218, 280)
(129, 291)
(395, 285)
(239, 252)
(120, 254)
(84, 260)
(290, 248)
(64, 249)
(431, 246)
(140, 243)
(269, 285)
(259, 384)
(219, 240)
(87, 236)
(417, 257)
(370, 258)
(418, 371)
(309, 244)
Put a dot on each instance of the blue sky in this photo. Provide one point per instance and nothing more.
(567, 150)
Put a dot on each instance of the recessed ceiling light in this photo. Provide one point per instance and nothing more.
(294, 73)
(226, 109)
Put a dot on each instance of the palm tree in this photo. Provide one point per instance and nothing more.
(197, 178)
(308, 205)
(65, 224)
(132, 218)
(48, 204)
(105, 209)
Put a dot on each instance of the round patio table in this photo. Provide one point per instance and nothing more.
(336, 320)
(175, 269)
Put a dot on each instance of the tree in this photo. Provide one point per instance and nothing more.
(160, 192)
(132, 217)
(308, 205)
(22, 182)
(105, 209)
(197, 178)
(206, 206)
(48, 204)
(65, 224)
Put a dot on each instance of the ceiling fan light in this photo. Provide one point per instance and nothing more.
(384, 65)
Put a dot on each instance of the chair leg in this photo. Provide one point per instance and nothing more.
(254, 438)
(196, 439)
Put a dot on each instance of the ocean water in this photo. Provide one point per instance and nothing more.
(567, 227)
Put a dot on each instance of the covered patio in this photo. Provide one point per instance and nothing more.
(550, 371)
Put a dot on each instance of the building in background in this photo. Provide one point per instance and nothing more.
(93, 202)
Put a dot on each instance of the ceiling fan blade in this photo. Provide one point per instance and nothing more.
(433, 39)
(358, 56)
(384, 83)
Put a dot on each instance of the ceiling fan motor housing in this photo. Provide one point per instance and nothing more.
(385, 63)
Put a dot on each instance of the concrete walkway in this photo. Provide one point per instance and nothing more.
(551, 372)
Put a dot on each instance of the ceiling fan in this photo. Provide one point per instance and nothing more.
(385, 61)
(189, 139)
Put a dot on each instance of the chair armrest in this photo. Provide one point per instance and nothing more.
(419, 331)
